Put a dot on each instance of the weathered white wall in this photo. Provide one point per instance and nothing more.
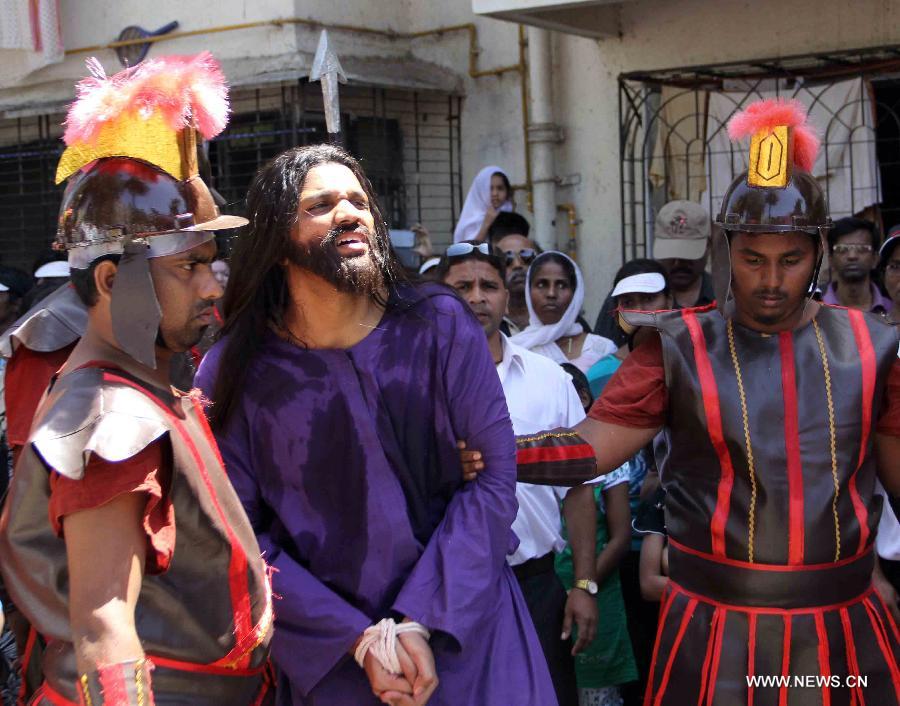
(659, 34)
(654, 34)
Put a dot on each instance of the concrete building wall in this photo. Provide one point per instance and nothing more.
(652, 34)
(658, 34)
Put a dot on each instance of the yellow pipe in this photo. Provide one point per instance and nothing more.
(523, 84)
(569, 210)
(469, 27)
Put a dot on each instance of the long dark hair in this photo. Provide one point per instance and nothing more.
(257, 296)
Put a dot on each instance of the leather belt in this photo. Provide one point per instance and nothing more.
(534, 567)
(739, 583)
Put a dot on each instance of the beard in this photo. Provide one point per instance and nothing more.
(360, 274)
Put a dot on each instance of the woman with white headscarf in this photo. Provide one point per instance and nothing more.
(489, 194)
(554, 293)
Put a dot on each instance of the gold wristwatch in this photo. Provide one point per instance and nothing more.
(586, 585)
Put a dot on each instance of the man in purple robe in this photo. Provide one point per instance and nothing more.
(338, 393)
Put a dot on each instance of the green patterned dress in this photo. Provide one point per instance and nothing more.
(608, 660)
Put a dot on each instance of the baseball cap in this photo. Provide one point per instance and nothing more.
(887, 247)
(643, 283)
(682, 231)
(428, 264)
(56, 268)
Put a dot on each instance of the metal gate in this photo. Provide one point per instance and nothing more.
(673, 141)
(408, 142)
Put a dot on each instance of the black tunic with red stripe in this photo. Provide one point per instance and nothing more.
(771, 514)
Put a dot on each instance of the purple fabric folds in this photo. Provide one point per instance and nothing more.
(345, 461)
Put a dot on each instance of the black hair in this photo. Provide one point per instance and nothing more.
(579, 381)
(495, 260)
(507, 223)
(642, 266)
(83, 279)
(506, 183)
(848, 225)
(257, 296)
(560, 260)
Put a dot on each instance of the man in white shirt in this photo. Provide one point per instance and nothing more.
(540, 395)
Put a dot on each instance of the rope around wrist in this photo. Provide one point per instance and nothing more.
(381, 640)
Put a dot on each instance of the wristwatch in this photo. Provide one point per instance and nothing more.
(586, 585)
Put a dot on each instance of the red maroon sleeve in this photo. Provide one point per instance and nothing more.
(636, 395)
(889, 419)
(26, 378)
(146, 472)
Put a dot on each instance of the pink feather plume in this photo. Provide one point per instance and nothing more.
(186, 90)
(767, 114)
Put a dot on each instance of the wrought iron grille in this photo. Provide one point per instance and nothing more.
(667, 154)
(408, 142)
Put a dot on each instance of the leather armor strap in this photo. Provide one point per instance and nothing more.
(556, 457)
(121, 684)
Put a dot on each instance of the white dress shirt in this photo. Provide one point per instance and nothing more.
(540, 396)
(887, 541)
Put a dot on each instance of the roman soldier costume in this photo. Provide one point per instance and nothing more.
(204, 614)
(768, 468)
(769, 471)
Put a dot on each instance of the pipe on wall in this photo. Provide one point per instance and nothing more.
(543, 134)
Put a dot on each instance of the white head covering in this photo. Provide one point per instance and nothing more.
(478, 201)
(538, 334)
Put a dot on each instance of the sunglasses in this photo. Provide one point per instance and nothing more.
(462, 249)
(526, 255)
(844, 248)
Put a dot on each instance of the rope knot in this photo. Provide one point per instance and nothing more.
(381, 640)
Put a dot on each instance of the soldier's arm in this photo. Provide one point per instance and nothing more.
(573, 456)
(887, 437)
(106, 549)
(626, 417)
(887, 448)
(614, 444)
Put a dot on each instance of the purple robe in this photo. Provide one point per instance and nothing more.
(346, 463)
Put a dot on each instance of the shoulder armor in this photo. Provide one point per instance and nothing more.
(656, 319)
(84, 414)
(51, 324)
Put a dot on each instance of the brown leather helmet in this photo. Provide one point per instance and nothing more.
(118, 197)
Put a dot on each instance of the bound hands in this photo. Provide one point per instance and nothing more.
(418, 680)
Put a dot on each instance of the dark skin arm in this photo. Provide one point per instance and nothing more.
(106, 547)
(618, 522)
(614, 444)
(886, 590)
(887, 450)
(653, 580)
(580, 513)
